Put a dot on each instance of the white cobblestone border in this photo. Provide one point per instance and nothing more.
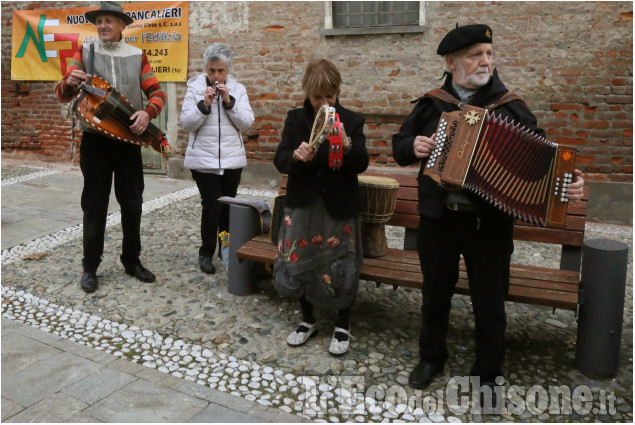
(243, 378)
(66, 235)
(30, 176)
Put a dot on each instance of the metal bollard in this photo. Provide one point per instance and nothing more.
(244, 224)
(602, 291)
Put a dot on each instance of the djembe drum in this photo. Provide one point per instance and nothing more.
(379, 197)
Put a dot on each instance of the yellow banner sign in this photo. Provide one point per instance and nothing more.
(44, 41)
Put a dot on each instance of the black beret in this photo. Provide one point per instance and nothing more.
(462, 37)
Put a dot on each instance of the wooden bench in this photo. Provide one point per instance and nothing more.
(557, 288)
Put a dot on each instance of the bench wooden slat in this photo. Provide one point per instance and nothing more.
(543, 273)
(390, 276)
(259, 249)
(557, 236)
(550, 283)
(529, 295)
(406, 263)
(406, 207)
(398, 256)
(404, 220)
(408, 193)
(579, 207)
(555, 300)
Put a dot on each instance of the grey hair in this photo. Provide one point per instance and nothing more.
(219, 51)
(444, 60)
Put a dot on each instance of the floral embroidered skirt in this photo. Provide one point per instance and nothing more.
(318, 257)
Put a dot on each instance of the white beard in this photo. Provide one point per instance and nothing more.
(474, 80)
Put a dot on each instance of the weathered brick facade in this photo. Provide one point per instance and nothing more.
(571, 61)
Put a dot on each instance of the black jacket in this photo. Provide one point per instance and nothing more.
(310, 179)
(423, 120)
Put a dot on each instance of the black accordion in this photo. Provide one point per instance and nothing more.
(518, 172)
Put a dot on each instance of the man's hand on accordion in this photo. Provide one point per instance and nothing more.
(424, 145)
(141, 120)
(576, 188)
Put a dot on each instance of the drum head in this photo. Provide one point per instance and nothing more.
(377, 181)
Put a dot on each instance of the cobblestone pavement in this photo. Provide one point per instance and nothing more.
(186, 324)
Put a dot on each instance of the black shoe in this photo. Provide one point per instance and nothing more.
(206, 265)
(422, 375)
(489, 403)
(89, 282)
(140, 272)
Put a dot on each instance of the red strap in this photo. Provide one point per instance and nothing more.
(336, 153)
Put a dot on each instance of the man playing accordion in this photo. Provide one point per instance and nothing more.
(458, 223)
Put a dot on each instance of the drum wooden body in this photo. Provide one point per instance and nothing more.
(379, 197)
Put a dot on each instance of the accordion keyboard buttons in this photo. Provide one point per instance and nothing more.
(566, 180)
(440, 142)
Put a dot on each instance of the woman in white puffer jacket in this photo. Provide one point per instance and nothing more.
(215, 112)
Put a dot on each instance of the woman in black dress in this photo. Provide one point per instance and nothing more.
(319, 248)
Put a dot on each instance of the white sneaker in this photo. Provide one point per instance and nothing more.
(339, 348)
(302, 334)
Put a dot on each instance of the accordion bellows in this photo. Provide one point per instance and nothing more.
(518, 172)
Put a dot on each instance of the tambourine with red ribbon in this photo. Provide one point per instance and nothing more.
(327, 125)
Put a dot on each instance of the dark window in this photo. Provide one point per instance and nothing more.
(362, 14)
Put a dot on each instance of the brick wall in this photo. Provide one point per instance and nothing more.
(571, 61)
(34, 123)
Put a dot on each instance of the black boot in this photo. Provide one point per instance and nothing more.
(137, 270)
(490, 404)
(206, 265)
(423, 374)
(89, 281)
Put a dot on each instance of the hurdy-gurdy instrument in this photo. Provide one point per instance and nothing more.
(103, 109)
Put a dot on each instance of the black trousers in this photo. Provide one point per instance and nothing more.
(486, 248)
(215, 218)
(101, 159)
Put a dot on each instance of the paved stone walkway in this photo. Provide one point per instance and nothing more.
(183, 349)
(48, 377)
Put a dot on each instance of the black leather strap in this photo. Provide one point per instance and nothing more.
(90, 63)
(448, 98)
